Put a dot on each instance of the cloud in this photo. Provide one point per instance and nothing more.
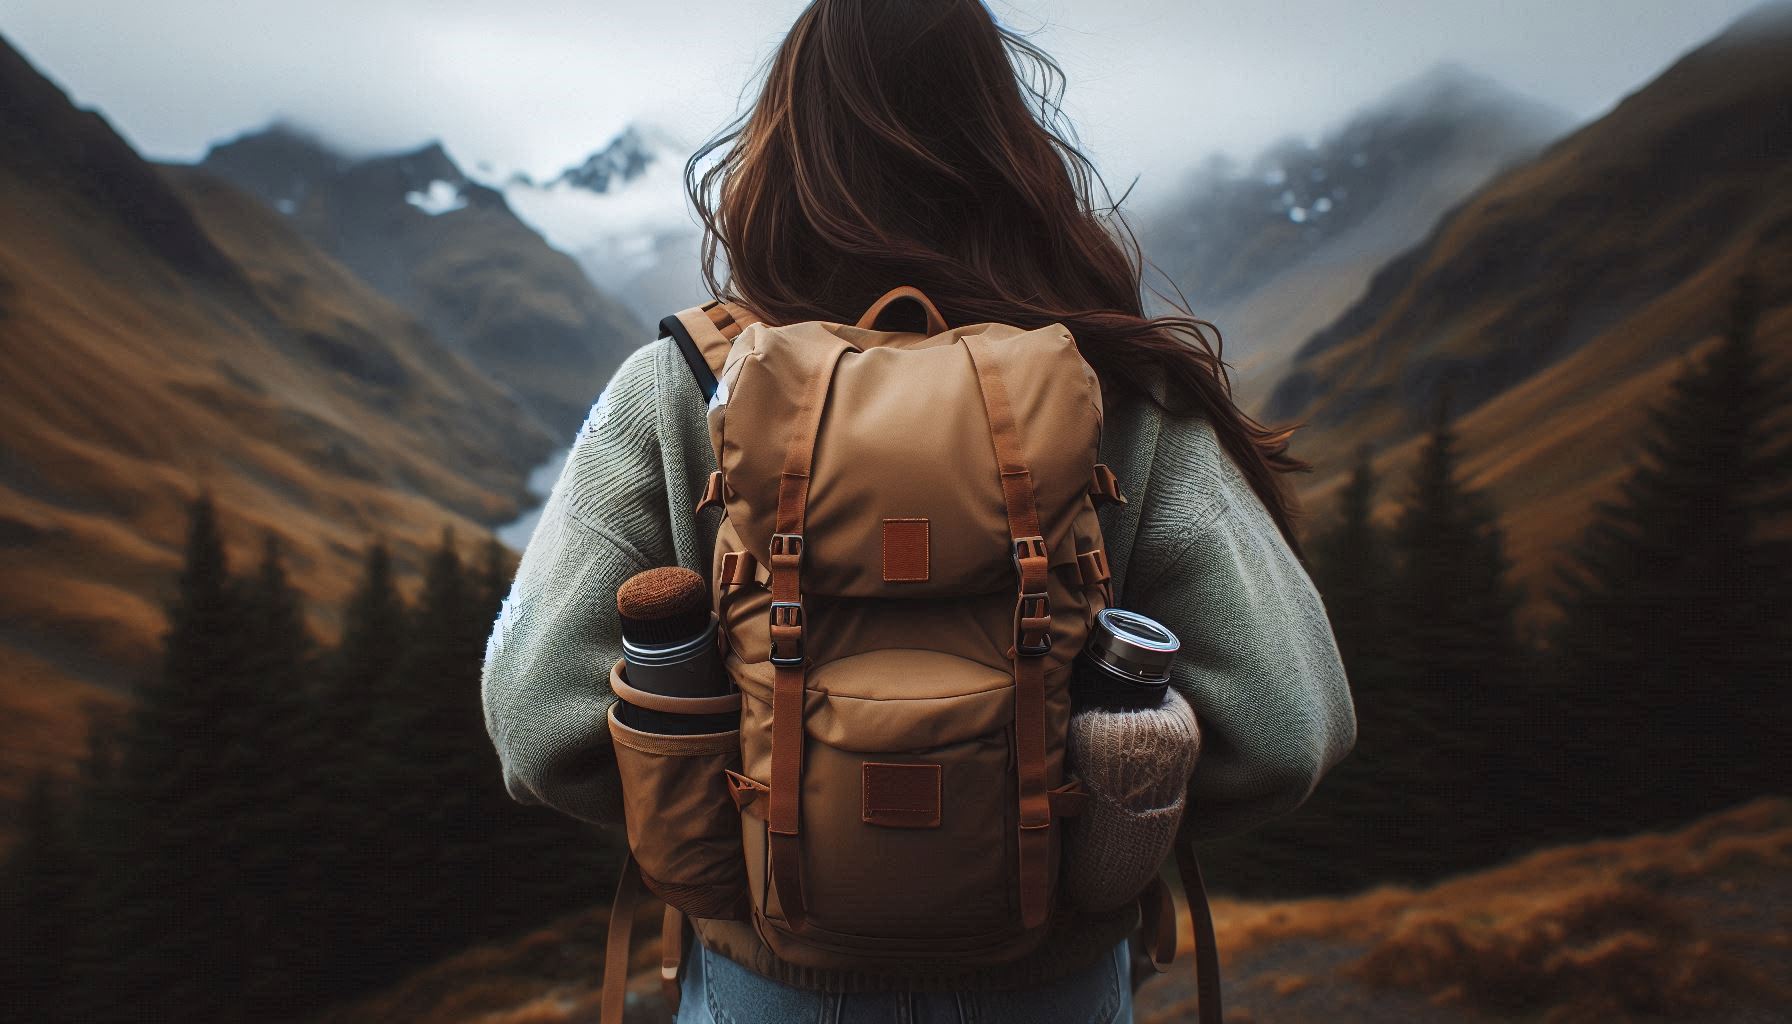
(1153, 84)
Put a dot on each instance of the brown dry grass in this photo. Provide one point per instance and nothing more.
(1688, 925)
(1693, 924)
(551, 976)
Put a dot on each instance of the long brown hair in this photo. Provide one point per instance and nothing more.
(920, 142)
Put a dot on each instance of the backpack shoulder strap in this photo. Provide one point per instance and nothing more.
(704, 335)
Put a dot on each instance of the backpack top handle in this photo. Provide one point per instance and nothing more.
(936, 324)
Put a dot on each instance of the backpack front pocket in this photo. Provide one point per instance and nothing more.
(909, 815)
(683, 827)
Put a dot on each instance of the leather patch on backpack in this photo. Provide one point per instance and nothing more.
(902, 795)
(905, 551)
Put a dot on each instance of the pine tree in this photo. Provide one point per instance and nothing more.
(457, 838)
(285, 813)
(1352, 570)
(431, 716)
(356, 782)
(162, 933)
(1674, 650)
(374, 630)
(1448, 733)
(495, 571)
(38, 890)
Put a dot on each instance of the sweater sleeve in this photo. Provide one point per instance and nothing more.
(1259, 663)
(545, 683)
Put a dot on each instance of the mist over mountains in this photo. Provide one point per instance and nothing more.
(1273, 250)
(623, 215)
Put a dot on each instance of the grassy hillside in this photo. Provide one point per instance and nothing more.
(164, 334)
(483, 281)
(1555, 303)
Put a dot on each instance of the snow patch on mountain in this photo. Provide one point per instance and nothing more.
(437, 198)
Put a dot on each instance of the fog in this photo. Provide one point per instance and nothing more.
(1154, 85)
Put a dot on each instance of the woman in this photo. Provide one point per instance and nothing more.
(918, 142)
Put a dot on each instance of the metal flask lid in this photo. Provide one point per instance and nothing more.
(1132, 645)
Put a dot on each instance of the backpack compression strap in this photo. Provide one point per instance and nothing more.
(704, 335)
(622, 919)
(1207, 955)
(619, 939)
(789, 683)
(1032, 634)
(1157, 928)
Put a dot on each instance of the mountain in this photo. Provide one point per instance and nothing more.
(1272, 251)
(1555, 302)
(164, 331)
(626, 158)
(623, 214)
(451, 251)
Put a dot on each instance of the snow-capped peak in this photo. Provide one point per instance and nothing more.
(627, 157)
(622, 213)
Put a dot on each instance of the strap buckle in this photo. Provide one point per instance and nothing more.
(1033, 625)
(1033, 612)
(1105, 485)
(787, 550)
(787, 628)
(1026, 548)
(738, 569)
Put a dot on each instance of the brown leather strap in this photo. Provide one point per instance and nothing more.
(674, 705)
(936, 324)
(1032, 633)
(1157, 923)
(1207, 956)
(671, 955)
(622, 920)
(783, 814)
(1017, 480)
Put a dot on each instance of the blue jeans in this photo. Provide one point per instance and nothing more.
(716, 990)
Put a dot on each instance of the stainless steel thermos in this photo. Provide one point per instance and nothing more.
(1126, 662)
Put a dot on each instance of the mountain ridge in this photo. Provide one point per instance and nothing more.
(1272, 250)
(1555, 302)
(244, 361)
(452, 251)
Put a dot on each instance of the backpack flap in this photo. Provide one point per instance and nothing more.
(903, 414)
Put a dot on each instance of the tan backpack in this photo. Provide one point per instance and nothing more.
(908, 561)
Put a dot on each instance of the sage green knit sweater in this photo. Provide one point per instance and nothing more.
(1193, 548)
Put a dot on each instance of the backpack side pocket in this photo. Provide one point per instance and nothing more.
(683, 826)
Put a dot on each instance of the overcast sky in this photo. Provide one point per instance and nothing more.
(535, 86)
